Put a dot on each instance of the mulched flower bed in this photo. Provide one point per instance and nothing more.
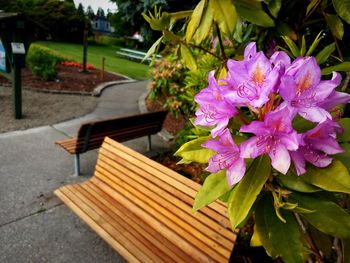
(68, 79)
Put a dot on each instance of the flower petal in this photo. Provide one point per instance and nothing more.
(299, 162)
(253, 147)
(314, 114)
(308, 75)
(280, 159)
(287, 88)
(236, 172)
(326, 87)
(250, 51)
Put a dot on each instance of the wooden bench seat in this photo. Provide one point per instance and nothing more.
(144, 210)
(91, 134)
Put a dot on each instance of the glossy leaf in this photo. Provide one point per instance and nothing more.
(215, 185)
(294, 182)
(188, 58)
(333, 178)
(303, 46)
(283, 240)
(328, 216)
(322, 241)
(204, 27)
(325, 53)
(193, 151)
(255, 240)
(283, 29)
(246, 191)
(195, 20)
(314, 44)
(253, 12)
(311, 6)
(345, 136)
(153, 48)
(345, 156)
(344, 66)
(301, 125)
(180, 15)
(342, 7)
(224, 13)
(274, 7)
(336, 25)
(292, 46)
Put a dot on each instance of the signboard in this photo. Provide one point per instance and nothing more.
(2, 57)
(18, 48)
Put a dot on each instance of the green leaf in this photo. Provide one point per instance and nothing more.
(246, 191)
(180, 15)
(322, 241)
(342, 7)
(314, 44)
(303, 46)
(188, 58)
(153, 48)
(345, 124)
(292, 46)
(253, 12)
(255, 240)
(224, 13)
(193, 151)
(283, 240)
(195, 20)
(324, 54)
(344, 66)
(311, 6)
(336, 25)
(274, 7)
(215, 185)
(204, 27)
(328, 216)
(301, 125)
(294, 182)
(283, 29)
(333, 178)
(345, 156)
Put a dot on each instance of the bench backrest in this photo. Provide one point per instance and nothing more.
(91, 135)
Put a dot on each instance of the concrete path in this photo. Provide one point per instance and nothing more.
(34, 225)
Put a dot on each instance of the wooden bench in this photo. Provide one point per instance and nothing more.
(91, 134)
(144, 210)
(134, 55)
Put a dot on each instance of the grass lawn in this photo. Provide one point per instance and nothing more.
(113, 63)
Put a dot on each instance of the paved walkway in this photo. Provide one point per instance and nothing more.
(34, 225)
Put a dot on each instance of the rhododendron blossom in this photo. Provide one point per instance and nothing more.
(227, 157)
(274, 136)
(270, 92)
(316, 146)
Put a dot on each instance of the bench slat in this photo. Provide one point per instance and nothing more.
(159, 187)
(186, 222)
(66, 198)
(119, 213)
(158, 170)
(153, 222)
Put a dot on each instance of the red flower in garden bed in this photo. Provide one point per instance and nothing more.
(76, 64)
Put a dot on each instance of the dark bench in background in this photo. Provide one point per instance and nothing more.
(91, 134)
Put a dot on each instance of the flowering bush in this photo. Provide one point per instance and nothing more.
(75, 64)
(282, 109)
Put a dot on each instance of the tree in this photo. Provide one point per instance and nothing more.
(80, 10)
(90, 12)
(100, 12)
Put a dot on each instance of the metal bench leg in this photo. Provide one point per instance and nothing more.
(149, 147)
(76, 165)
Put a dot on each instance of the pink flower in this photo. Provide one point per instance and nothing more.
(251, 81)
(303, 90)
(274, 136)
(227, 158)
(316, 146)
(214, 108)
